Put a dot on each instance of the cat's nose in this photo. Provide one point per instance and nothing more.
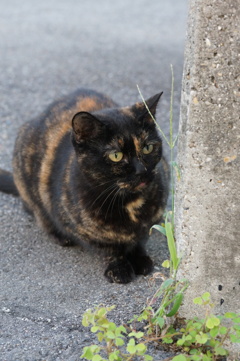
(138, 166)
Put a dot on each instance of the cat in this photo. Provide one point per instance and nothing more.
(93, 173)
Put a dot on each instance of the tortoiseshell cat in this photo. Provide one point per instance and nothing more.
(93, 173)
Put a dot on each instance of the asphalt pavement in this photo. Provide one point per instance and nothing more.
(48, 49)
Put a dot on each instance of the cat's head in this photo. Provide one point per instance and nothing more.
(119, 146)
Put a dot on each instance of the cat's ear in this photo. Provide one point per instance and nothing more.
(86, 127)
(143, 112)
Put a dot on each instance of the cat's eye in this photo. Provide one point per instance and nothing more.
(148, 149)
(116, 156)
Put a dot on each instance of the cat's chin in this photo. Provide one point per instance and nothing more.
(142, 184)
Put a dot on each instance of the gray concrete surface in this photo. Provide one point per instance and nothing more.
(207, 197)
(48, 49)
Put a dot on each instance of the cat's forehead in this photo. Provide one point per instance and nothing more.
(123, 122)
(129, 141)
(123, 128)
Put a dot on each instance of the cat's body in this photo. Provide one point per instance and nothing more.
(93, 177)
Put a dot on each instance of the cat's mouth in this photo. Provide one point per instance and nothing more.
(135, 186)
(141, 185)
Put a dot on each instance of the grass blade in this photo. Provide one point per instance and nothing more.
(159, 228)
(171, 245)
(176, 305)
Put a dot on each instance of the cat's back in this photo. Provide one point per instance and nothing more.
(56, 120)
(63, 110)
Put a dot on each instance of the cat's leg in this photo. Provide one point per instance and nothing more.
(46, 223)
(27, 208)
(119, 269)
(61, 239)
(140, 261)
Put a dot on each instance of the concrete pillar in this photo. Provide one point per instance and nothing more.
(208, 194)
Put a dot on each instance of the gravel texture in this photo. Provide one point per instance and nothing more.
(48, 49)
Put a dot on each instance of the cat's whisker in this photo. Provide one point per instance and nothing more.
(109, 195)
(102, 194)
(102, 184)
(111, 204)
(121, 207)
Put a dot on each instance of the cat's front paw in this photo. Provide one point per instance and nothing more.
(142, 265)
(119, 271)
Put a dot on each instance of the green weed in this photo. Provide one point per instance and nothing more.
(195, 340)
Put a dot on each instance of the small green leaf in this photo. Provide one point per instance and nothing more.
(88, 351)
(85, 321)
(119, 341)
(102, 312)
(104, 323)
(223, 330)
(197, 358)
(198, 325)
(221, 351)
(141, 348)
(131, 342)
(194, 351)
(167, 340)
(94, 329)
(110, 335)
(230, 315)
(202, 338)
(112, 326)
(144, 316)
(206, 358)
(167, 283)
(234, 338)
(131, 349)
(159, 228)
(166, 263)
(97, 358)
(179, 358)
(184, 340)
(114, 355)
(160, 321)
(121, 329)
(100, 336)
(206, 296)
(180, 342)
(198, 301)
(214, 332)
(136, 334)
(148, 358)
(212, 321)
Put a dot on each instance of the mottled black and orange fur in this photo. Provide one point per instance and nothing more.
(63, 173)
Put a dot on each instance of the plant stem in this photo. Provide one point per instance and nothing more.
(157, 125)
(172, 144)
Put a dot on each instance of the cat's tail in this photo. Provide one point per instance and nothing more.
(7, 184)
